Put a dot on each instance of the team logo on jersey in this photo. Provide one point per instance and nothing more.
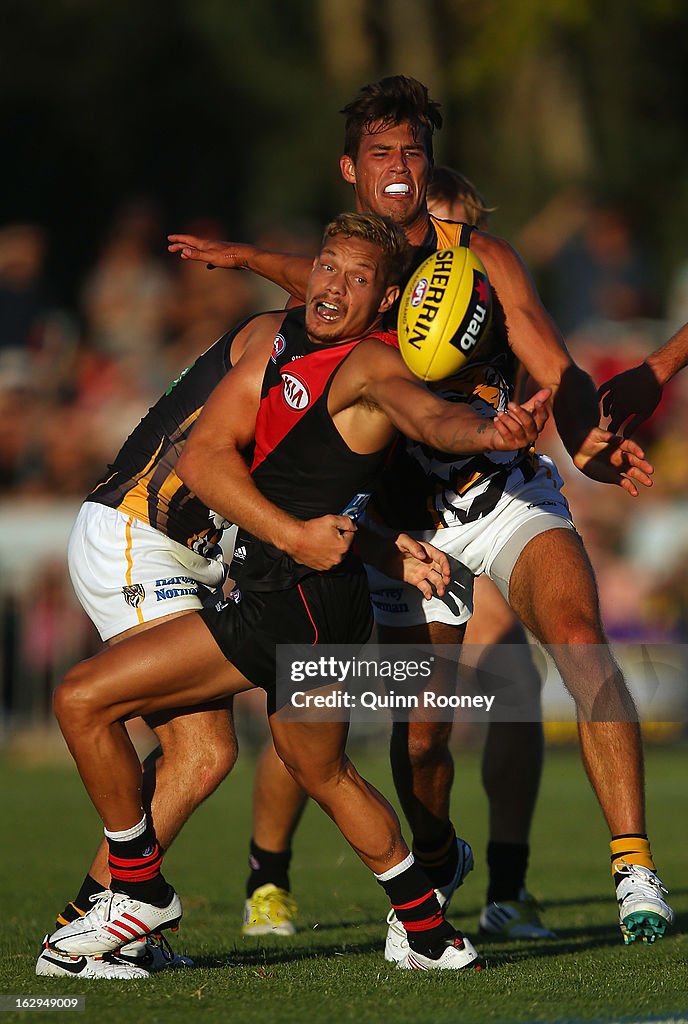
(419, 292)
(134, 594)
(278, 347)
(295, 391)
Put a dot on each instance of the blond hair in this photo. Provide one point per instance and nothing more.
(448, 185)
(380, 231)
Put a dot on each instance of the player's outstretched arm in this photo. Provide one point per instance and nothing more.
(631, 397)
(287, 270)
(212, 466)
(402, 557)
(446, 426)
(537, 342)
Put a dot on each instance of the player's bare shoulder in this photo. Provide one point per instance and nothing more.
(376, 356)
(372, 360)
(497, 255)
(506, 270)
(257, 339)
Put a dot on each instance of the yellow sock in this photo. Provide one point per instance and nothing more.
(633, 849)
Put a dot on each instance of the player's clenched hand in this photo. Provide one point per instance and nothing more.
(320, 543)
(611, 459)
(420, 564)
(633, 395)
(231, 255)
(520, 425)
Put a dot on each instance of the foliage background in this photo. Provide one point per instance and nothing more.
(225, 108)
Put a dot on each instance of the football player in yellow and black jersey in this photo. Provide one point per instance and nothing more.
(502, 517)
(143, 550)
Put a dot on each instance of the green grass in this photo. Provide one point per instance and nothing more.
(333, 969)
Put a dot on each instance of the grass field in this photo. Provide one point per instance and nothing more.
(333, 969)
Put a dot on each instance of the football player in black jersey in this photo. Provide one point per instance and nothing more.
(296, 536)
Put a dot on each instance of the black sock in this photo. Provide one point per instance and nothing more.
(267, 868)
(415, 903)
(440, 859)
(507, 864)
(135, 867)
(81, 903)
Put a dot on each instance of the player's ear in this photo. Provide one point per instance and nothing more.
(390, 297)
(348, 169)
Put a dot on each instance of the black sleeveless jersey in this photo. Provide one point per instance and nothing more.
(300, 460)
(142, 482)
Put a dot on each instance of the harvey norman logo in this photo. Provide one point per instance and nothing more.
(295, 391)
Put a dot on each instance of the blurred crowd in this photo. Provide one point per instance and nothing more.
(74, 381)
(76, 376)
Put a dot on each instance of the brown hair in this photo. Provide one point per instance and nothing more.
(380, 231)
(448, 185)
(391, 101)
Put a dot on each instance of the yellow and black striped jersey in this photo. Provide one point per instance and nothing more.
(142, 482)
(417, 492)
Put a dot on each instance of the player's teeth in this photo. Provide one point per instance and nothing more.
(398, 188)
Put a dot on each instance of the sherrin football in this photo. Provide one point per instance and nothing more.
(444, 312)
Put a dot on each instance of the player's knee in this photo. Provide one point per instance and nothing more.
(575, 626)
(429, 746)
(204, 768)
(316, 779)
(75, 701)
(202, 748)
(217, 764)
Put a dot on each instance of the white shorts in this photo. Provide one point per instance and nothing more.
(125, 573)
(490, 545)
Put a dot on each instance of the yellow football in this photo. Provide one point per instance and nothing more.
(444, 312)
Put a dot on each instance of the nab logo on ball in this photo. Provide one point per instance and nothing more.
(468, 334)
(295, 391)
(444, 313)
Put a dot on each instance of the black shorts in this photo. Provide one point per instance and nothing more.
(322, 608)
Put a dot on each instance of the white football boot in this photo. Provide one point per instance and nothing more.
(460, 954)
(154, 953)
(643, 912)
(396, 942)
(110, 967)
(113, 921)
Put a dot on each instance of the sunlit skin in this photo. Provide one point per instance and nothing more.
(390, 175)
(346, 290)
